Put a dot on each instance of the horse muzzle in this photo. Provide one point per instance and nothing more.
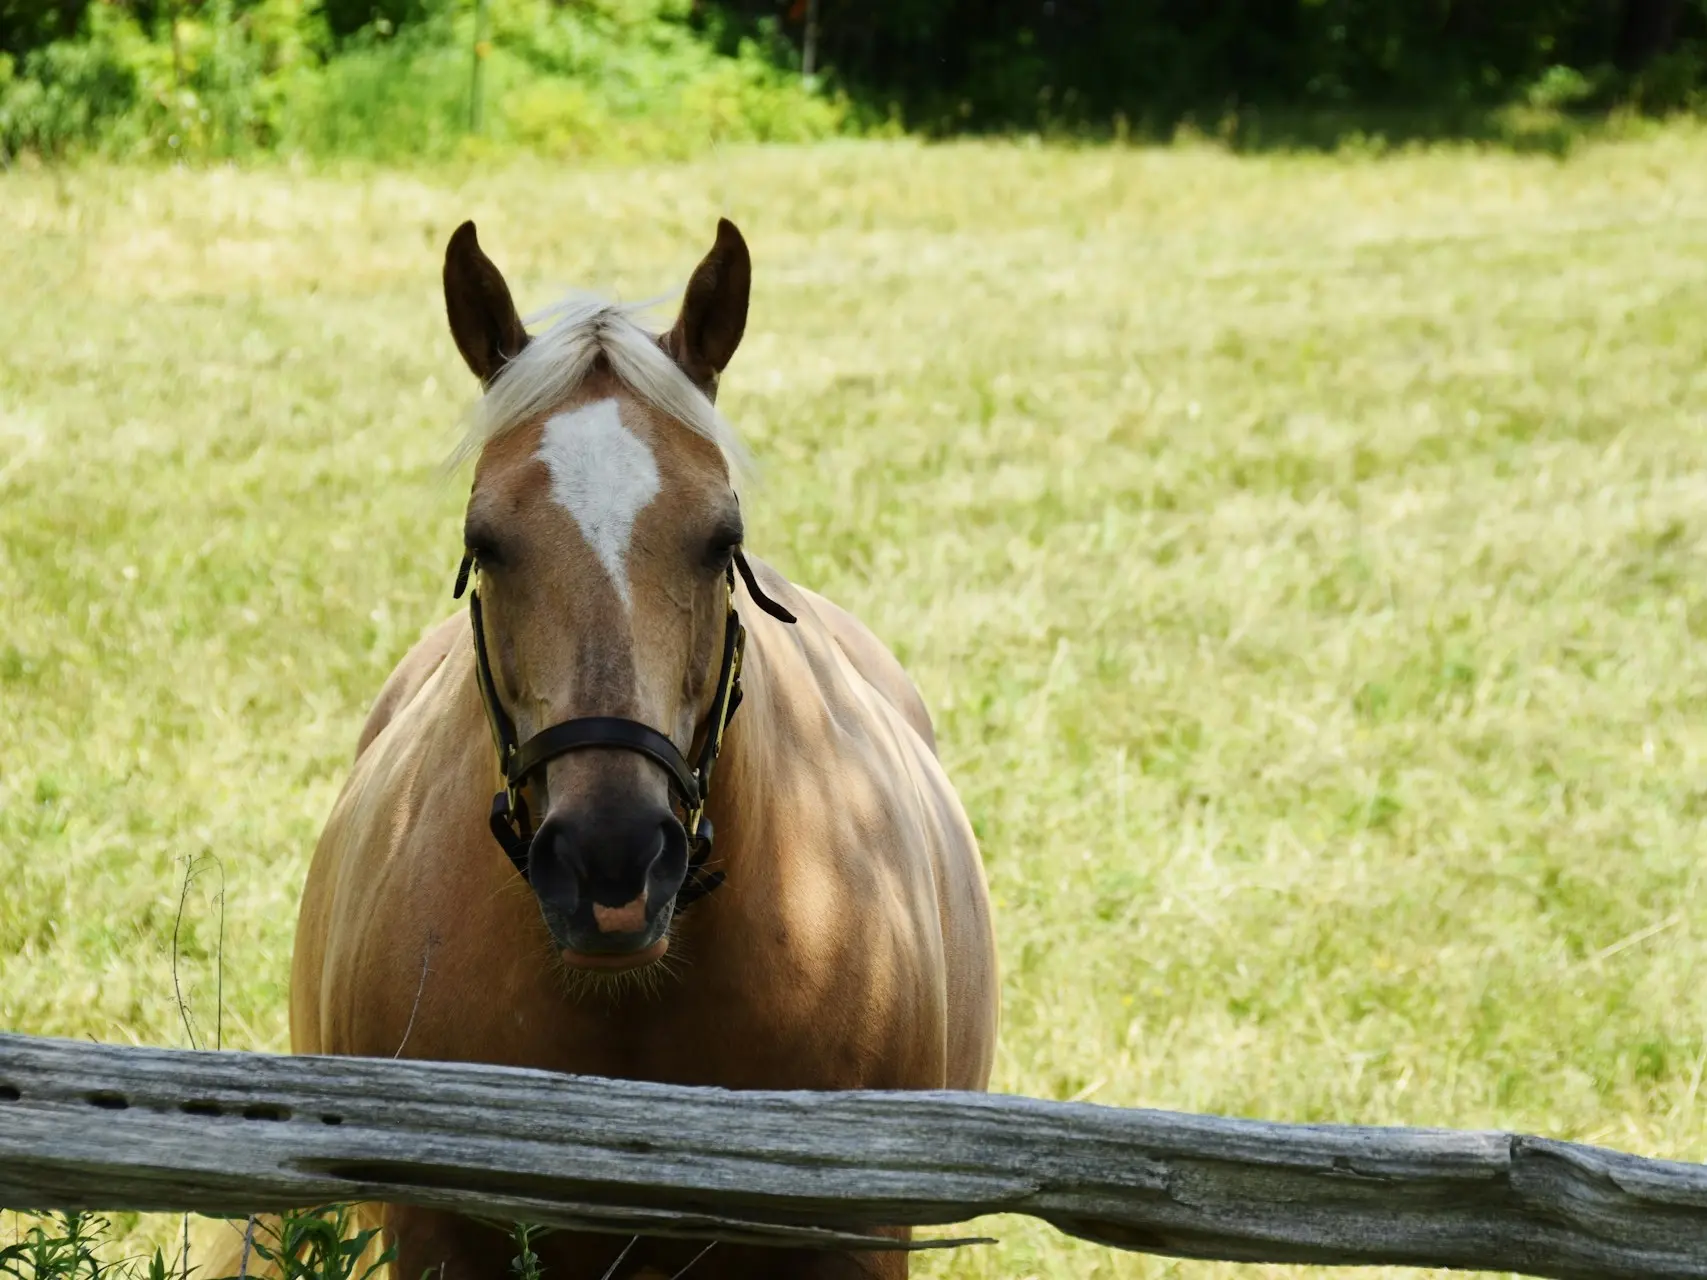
(607, 881)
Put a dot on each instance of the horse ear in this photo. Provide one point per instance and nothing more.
(483, 318)
(714, 310)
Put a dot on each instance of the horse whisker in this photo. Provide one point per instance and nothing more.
(708, 1248)
(634, 1240)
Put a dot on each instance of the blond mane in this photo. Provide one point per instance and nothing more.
(554, 364)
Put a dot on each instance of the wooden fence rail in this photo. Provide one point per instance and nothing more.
(86, 1126)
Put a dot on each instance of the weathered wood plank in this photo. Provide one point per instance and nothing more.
(92, 1126)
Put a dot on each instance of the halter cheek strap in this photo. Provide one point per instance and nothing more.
(511, 824)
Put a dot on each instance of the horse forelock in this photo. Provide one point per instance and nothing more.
(557, 362)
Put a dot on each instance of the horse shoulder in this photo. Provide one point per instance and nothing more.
(350, 875)
(844, 708)
(876, 665)
(410, 675)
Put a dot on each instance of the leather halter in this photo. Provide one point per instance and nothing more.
(511, 824)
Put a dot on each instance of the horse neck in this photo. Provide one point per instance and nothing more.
(746, 764)
(466, 713)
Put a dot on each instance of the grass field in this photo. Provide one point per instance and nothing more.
(1302, 557)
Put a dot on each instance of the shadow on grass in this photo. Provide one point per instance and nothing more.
(1522, 129)
(1255, 131)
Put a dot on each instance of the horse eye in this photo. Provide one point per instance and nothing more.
(483, 547)
(721, 549)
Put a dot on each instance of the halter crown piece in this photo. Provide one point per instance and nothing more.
(511, 824)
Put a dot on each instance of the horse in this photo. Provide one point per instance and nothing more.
(532, 863)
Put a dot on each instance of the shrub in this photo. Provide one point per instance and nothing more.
(607, 76)
(65, 94)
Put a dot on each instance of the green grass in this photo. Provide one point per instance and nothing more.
(1302, 556)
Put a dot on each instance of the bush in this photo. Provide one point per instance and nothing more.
(1675, 81)
(384, 98)
(65, 95)
(607, 76)
(29, 24)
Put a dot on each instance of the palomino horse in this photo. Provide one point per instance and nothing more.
(838, 934)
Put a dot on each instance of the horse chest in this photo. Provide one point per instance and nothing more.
(766, 1015)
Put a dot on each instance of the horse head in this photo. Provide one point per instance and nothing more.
(604, 527)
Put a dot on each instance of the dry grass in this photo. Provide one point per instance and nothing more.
(1302, 556)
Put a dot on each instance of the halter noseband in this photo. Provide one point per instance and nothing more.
(511, 824)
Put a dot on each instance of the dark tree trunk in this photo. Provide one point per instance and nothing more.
(1646, 31)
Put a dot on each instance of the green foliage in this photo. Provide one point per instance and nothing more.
(67, 1246)
(218, 91)
(29, 24)
(390, 79)
(65, 94)
(1560, 88)
(393, 82)
(345, 18)
(596, 79)
(525, 1265)
(309, 1244)
(319, 1244)
(1674, 81)
(381, 98)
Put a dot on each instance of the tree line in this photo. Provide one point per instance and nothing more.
(936, 65)
(1007, 61)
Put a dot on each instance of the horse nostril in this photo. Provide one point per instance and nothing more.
(610, 867)
(669, 862)
(628, 889)
(553, 868)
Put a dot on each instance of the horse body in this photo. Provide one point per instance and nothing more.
(850, 946)
(852, 921)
